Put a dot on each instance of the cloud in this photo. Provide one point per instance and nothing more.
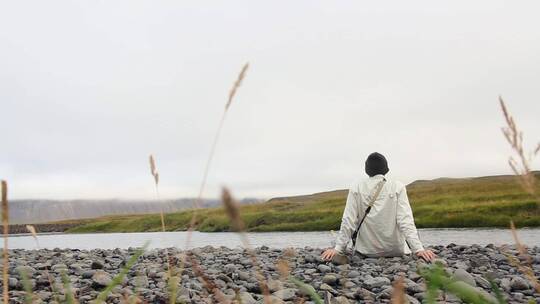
(88, 90)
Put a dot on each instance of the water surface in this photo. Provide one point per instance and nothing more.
(531, 237)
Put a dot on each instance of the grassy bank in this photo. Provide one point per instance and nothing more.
(471, 202)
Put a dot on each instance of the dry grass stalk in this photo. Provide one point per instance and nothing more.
(283, 268)
(5, 257)
(172, 280)
(515, 138)
(236, 85)
(398, 293)
(155, 174)
(526, 266)
(233, 211)
(208, 163)
(32, 231)
(153, 169)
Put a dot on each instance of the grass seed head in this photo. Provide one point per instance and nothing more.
(232, 209)
(236, 85)
(153, 169)
(398, 292)
(283, 268)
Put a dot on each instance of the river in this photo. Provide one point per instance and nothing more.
(530, 237)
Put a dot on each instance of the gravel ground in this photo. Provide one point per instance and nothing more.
(364, 280)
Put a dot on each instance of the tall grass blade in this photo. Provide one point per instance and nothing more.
(437, 279)
(307, 289)
(498, 293)
(27, 286)
(5, 257)
(70, 297)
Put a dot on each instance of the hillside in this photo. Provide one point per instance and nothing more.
(467, 202)
(45, 211)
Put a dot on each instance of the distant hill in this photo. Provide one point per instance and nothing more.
(446, 202)
(44, 211)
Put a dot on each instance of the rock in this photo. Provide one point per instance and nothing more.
(330, 279)
(519, 283)
(12, 283)
(27, 270)
(482, 282)
(141, 282)
(412, 300)
(349, 284)
(341, 300)
(413, 287)
(353, 274)
(326, 287)
(230, 268)
(376, 282)
(59, 268)
(324, 268)
(464, 276)
(386, 293)
(88, 274)
(101, 278)
(479, 261)
(275, 300)
(247, 298)
(96, 264)
(310, 271)
(274, 285)
(244, 275)
(286, 294)
(42, 266)
(505, 284)
(462, 265)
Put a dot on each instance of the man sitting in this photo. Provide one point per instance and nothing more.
(380, 208)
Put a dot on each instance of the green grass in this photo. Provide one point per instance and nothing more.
(442, 203)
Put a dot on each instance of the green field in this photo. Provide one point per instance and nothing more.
(469, 202)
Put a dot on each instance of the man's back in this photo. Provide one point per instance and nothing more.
(380, 234)
(388, 227)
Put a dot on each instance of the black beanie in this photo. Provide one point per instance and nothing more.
(376, 164)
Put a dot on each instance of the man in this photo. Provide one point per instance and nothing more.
(387, 227)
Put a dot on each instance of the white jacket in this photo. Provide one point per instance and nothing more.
(388, 227)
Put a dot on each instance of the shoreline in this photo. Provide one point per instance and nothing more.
(369, 280)
(19, 232)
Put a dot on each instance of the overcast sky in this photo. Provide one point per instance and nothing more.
(88, 89)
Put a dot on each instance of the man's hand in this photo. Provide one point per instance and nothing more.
(427, 255)
(328, 254)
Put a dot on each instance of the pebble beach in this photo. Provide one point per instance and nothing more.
(363, 280)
